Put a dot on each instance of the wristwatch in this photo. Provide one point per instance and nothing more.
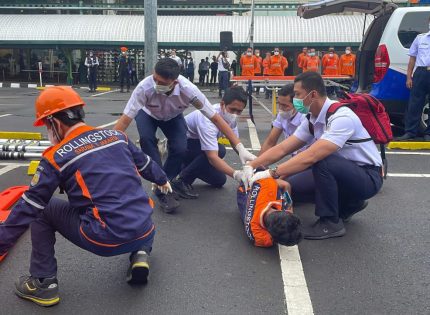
(273, 172)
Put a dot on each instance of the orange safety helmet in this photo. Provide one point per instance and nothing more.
(124, 49)
(53, 100)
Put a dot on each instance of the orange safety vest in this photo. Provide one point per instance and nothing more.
(247, 63)
(330, 64)
(257, 69)
(347, 64)
(311, 64)
(277, 65)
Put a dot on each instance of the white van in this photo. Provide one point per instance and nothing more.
(382, 59)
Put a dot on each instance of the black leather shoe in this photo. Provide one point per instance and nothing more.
(167, 202)
(183, 189)
(406, 137)
(323, 229)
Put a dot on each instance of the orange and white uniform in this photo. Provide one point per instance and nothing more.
(301, 59)
(248, 64)
(258, 65)
(311, 64)
(266, 66)
(277, 65)
(330, 64)
(253, 205)
(347, 64)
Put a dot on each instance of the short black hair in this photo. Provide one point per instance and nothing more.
(312, 81)
(235, 93)
(287, 90)
(71, 116)
(167, 68)
(284, 227)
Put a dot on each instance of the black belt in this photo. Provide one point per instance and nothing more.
(424, 68)
(372, 167)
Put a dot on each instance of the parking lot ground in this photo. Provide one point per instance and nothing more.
(202, 262)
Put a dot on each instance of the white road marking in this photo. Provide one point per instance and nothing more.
(102, 93)
(255, 143)
(262, 105)
(14, 164)
(108, 124)
(8, 168)
(406, 175)
(296, 292)
(5, 115)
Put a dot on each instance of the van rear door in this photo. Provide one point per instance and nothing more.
(373, 7)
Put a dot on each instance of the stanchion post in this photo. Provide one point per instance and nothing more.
(274, 90)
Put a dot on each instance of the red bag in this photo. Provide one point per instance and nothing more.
(371, 113)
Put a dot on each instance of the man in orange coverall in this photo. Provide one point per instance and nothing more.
(301, 58)
(312, 62)
(347, 63)
(248, 63)
(330, 63)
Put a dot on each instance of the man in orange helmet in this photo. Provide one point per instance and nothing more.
(347, 63)
(330, 62)
(107, 212)
(248, 63)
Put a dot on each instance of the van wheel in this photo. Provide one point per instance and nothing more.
(425, 117)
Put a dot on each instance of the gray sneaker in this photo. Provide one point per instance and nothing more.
(324, 228)
(43, 293)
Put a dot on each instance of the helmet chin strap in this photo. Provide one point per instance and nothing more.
(54, 128)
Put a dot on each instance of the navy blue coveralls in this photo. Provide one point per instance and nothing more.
(108, 212)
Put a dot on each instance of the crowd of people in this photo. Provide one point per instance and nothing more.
(330, 167)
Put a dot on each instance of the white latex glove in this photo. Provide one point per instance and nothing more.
(247, 173)
(237, 175)
(259, 175)
(166, 188)
(244, 154)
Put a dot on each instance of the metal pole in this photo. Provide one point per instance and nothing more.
(251, 30)
(151, 44)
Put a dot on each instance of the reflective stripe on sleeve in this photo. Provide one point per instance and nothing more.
(31, 202)
(146, 164)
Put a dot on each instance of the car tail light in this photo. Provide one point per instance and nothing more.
(382, 63)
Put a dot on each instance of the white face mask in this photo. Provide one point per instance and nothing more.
(331, 54)
(249, 53)
(347, 51)
(257, 54)
(162, 89)
(311, 54)
(228, 117)
(276, 53)
(286, 114)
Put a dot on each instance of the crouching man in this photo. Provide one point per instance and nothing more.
(204, 156)
(267, 213)
(107, 213)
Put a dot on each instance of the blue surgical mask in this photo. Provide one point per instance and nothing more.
(300, 106)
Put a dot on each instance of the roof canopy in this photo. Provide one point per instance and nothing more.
(192, 32)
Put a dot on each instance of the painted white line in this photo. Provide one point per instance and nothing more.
(406, 175)
(5, 115)
(108, 124)
(98, 94)
(262, 105)
(407, 153)
(14, 164)
(15, 85)
(32, 86)
(255, 143)
(8, 168)
(296, 290)
(1, 84)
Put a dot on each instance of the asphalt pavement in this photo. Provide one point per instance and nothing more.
(202, 262)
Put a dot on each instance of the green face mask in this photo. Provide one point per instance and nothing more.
(300, 106)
